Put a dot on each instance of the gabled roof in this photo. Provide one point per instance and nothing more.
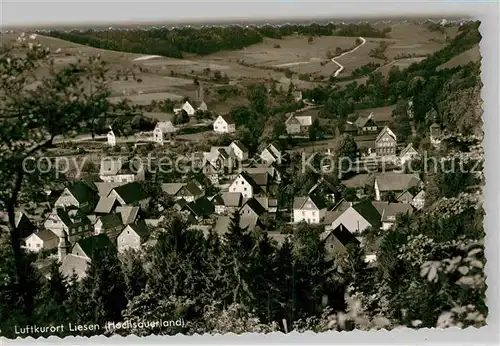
(141, 229)
(260, 179)
(386, 130)
(322, 183)
(82, 192)
(408, 149)
(359, 180)
(232, 199)
(369, 213)
(172, 188)
(389, 211)
(227, 118)
(104, 189)
(200, 207)
(292, 120)
(331, 216)
(253, 204)
(390, 181)
(299, 202)
(363, 120)
(342, 238)
(240, 146)
(74, 264)
(71, 217)
(342, 205)
(165, 127)
(404, 197)
(111, 220)
(45, 235)
(192, 189)
(128, 213)
(105, 205)
(119, 166)
(131, 192)
(95, 244)
(249, 179)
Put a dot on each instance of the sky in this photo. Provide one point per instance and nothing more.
(56, 12)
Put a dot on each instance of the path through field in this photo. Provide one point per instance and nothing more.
(341, 67)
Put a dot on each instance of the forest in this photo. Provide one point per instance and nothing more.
(206, 40)
(429, 270)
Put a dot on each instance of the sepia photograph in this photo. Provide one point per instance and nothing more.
(240, 176)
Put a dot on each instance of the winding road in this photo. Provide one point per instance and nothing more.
(341, 67)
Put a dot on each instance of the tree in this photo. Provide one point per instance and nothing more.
(52, 297)
(32, 118)
(310, 39)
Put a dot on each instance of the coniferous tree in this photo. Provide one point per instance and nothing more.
(52, 297)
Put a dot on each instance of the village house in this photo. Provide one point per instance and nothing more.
(200, 208)
(270, 205)
(298, 123)
(325, 189)
(72, 223)
(407, 154)
(404, 197)
(110, 224)
(78, 195)
(191, 107)
(82, 253)
(386, 143)
(111, 138)
(366, 124)
(131, 194)
(227, 202)
(132, 237)
(250, 213)
(115, 170)
(164, 130)
(389, 212)
(311, 209)
(338, 241)
(249, 184)
(394, 183)
(41, 241)
(359, 217)
(239, 150)
(419, 200)
(104, 188)
(224, 124)
(187, 191)
(23, 224)
(271, 154)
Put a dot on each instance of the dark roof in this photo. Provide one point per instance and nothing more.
(46, 235)
(255, 206)
(240, 145)
(111, 221)
(132, 192)
(228, 118)
(200, 207)
(342, 238)
(192, 189)
(82, 192)
(369, 212)
(98, 243)
(141, 229)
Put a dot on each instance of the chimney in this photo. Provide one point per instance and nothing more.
(62, 248)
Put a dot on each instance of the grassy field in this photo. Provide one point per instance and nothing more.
(472, 54)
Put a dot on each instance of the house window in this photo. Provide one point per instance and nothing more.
(314, 213)
(331, 246)
(303, 213)
(37, 245)
(244, 189)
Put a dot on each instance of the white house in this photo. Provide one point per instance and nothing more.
(271, 154)
(298, 122)
(224, 124)
(407, 154)
(132, 237)
(244, 184)
(386, 143)
(311, 209)
(187, 107)
(389, 212)
(359, 217)
(78, 195)
(419, 200)
(395, 183)
(111, 138)
(43, 240)
(239, 150)
(163, 129)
